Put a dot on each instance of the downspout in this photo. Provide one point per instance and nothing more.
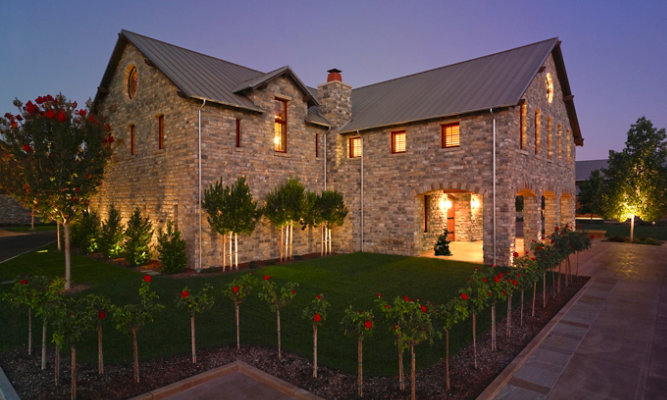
(494, 186)
(361, 139)
(325, 157)
(199, 184)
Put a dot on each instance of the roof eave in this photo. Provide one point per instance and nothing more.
(567, 94)
(285, 71)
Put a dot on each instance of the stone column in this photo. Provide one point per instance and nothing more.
(567, 211)
(505, 232)
(550, 214)
(531, 221)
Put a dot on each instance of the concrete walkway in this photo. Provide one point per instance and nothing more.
(608, 342)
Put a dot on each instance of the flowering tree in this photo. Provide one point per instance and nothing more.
(277, 298)
(195, 303)
(132, 317)
(316, 312)
(392, 315)
(96, 307)
(52, 159)
(547, 258)
(526, 276)
(580, 241)
(27, 293)
(415, 327)
(477, 294)
(359, 323)
(451, 313)
(237, 291)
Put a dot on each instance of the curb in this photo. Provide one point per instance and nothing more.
(7, 391)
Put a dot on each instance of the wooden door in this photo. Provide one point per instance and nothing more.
(451, 223)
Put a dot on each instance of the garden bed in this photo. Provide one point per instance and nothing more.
(32, 383)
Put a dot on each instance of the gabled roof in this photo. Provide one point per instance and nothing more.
(494, 81)
(583, 169)
(197, 75)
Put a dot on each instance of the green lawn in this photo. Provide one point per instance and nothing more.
(657, 231)
(345, 279)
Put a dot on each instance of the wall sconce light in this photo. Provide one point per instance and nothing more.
(445, 203)
(474, 202)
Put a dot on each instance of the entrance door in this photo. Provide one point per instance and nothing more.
(450, 223)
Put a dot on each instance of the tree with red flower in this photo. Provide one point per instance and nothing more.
(96, 306)
(316, 312)
(47, 154)
(478, 298)
(244, 284)
(360, 324)
(195, 303)
(277, 298)
(454, 311)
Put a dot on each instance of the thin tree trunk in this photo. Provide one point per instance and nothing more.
(192, 337)
(448, 384)
(521, 315)
(474, 340)
(401, 367)
(314, 350)
(58, 234)
(73, 384)
(100, 354)
(493, 326)
(632, 229)
(321, 240)
(32, 219)
(280, 352)
(534, 294)
(281, 242)
(56, 366)
(330, 242)
(508, 324)
(360, 367)
(568, 274)
(68, 265)
(29, 331)
(238, 328)
(231, 252)
(291, 240)
(560, 274)
(236, 247)
(135, 355)
(224, 252)
(544, 289)
(44, 343)
(413, 374)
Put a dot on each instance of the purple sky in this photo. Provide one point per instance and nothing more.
(615, 51)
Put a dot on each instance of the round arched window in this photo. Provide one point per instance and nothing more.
(550, 88)
(132, 78)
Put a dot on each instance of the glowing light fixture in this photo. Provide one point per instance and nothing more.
(474, 202)
(445, 203)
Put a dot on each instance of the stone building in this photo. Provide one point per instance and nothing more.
(450, 147)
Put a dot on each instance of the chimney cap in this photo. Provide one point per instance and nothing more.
(334, 71)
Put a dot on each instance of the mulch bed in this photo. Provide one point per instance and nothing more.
(467, 382)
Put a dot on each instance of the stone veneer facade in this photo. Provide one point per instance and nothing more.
(12, 212)
(164, 182)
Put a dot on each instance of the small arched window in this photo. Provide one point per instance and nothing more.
(132, 79)
(549, 83)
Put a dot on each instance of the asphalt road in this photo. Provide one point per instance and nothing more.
(12, 244)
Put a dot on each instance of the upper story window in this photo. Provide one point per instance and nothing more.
(567, 144)
(354, 147)
(549, 83)
(538, 124)
(549, 131)
(132, 79)
(398, 142)
(160, 131)
(450, 135)
(132, 135)
(238, 132)
(522, 126)
(317, 145)
(560, 141)
(280, 126)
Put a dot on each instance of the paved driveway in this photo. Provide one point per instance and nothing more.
(15, 243)
(609, 342)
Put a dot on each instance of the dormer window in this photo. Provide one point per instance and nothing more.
(280, 126)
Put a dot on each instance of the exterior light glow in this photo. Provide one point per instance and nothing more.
(445, 203)
(474, 202)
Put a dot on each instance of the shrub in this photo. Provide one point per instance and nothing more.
(171, 249)
(137, 239)
(442, 246)
(111, 235)
(86, 233)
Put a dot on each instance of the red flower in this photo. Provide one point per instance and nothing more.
(235, 289)
(147, 278)
(27, 148)
(82, 113)
(14, 124)
(387, 306)
(76, 189)
(557, 229)
(24, 282)
(101, 314)
(19, 117)
(516, 255)
(61, 116)
(504, 293)
(75, 104)
(317, 318)
(318, 297)
(500, 275)
(293, 291)
(423, 309)
(50, 114)
(31, 108)
(48, 97)
(379, 295)
(185, 294)
(368, 325)
(489, 293)
(111, 139)
(406, 298)
(465, 296)
(395, 326)
(483, 279)
(266, 277)
(39, 100)
(493, 265)
(496, 279)
(515, 283)
(532, 258)
(539, 247)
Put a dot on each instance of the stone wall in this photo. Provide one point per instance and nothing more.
(11, 212)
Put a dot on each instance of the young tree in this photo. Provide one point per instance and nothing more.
(132, 317)
(477, 294)
(171, 249)
(277, 298)
(316, 312)
(237, 291)
(636, 178)
(333, 212)
(415, 327)
(138, 239)
(25, 293)
(526, 276)
(111, 235)
(275, 211)
(46, 296)
(96, 307)
(311, 217)
(360, 324)
(590, 194)
(392, 315)
(52, 159)
(498, 289)
(195, 304)
(451, 313)
(293, 195)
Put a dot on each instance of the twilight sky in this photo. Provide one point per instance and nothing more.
(615, 51)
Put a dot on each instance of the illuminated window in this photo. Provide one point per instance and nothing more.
(538, 124)
(560, 142)
(549, 83)
(549, 129)
(522, 126)
(280, 137)
(354, 147)
(132, 132)
(238, 132)
(450, 135)
(567, 144)
(132, 79)
(398, 142)
(160, 131)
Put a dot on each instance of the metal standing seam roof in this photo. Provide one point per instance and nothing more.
(493, 81)
(583, 169)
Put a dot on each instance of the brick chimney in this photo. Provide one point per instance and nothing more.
(336, 99)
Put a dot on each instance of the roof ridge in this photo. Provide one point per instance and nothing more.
(123, 31)
(456, 63)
